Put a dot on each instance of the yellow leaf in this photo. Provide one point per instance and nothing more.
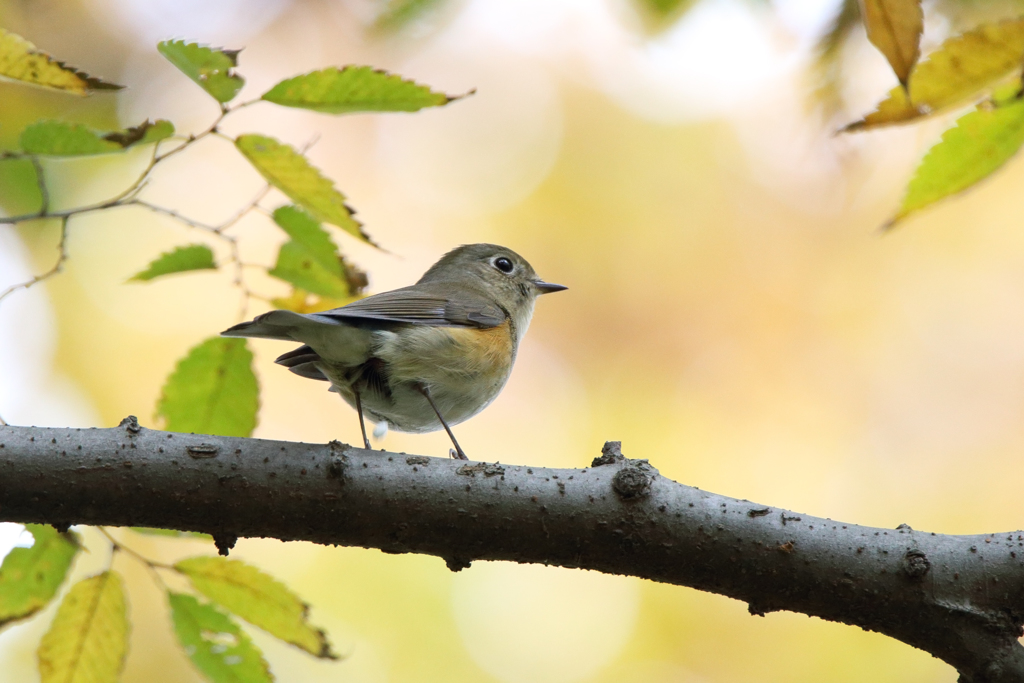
(88, 639)
(289, 171)
(956, 73)
(894, 109)
(21, 61)
(258, 598)
(967, 64)
(894, 27)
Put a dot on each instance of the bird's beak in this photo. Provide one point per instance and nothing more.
(548, 287)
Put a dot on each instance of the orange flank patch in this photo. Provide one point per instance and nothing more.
(485, 349)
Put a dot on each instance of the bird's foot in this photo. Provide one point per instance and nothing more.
(457, 454)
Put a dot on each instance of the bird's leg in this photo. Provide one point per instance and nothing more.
(362, 425)
(458, 452)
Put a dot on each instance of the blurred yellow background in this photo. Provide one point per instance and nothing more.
(734, 314)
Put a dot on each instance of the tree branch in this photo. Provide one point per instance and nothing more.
(960, 598)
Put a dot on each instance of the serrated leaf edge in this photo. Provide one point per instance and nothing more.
(325, 649)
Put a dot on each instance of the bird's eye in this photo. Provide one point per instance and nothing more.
(503, 264)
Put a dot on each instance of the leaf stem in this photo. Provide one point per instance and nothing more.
(219, 231)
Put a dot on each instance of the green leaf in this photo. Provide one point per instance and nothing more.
(19, 186)
(399, 13)
(306, 231)
(212, 390)
(657, 15)
(663, 9)
(30, 577)
(296, 265)
(153, 531)
(60, 138)
(88, 639)
(894, 27)
(310, 261)
(289, 171)
(215, 643)
(961, 68)
(211, 68)
(20, 60)
(981, 142)
(258, 598)
(354, 89)
(182, 259)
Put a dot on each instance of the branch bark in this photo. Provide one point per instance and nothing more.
(960, 598)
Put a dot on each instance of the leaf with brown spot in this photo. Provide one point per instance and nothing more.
(20, 60)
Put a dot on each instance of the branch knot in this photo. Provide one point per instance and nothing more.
(131, 424)
(633, 480)
(916, 564)
(336, 464)
(611, 453)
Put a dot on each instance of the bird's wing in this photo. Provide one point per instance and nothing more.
(419, 305)
(342, 335)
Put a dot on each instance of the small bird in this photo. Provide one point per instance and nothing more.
(419, 358)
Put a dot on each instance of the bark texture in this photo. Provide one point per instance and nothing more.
(960, 598)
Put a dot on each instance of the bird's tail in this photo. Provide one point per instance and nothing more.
(273, 325)
(327, 339)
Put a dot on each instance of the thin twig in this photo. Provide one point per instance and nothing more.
(312, 141)
(253, 205)
(132, 190)
(11, 220)
(62, 256)
(212, 130)
(44, 193)
(176, 215)
(197, 137)
(129, 196)
(243, 105)
(134, 553)
(239, 281)
(151, 565)
(118, 200)
(219, 232)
